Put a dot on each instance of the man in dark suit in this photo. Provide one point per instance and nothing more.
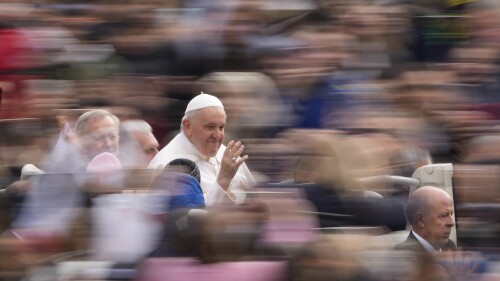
(430, 213)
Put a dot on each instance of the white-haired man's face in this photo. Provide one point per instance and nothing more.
(148, 143)
(100, 136)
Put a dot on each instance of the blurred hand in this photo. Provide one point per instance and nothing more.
(230, 163)
(65, 127)
(19, 187)
(460, 263)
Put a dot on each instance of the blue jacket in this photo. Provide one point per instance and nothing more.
(185, 190)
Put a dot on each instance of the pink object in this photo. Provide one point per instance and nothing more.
(189, 269)
(289, 231)
(104, 162)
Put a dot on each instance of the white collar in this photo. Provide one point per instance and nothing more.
(196, 152)
(427, 246)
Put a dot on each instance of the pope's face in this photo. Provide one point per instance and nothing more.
(100, 136)
(205, 130)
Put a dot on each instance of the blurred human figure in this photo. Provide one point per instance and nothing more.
(251, 101)
(430, 213)
(13, 195)
(54, 201)
(222, 234)
(327, 257)
(327, 171)
(16, 53)
(182, 234)
(224, 175)
(97, 132)
(138, 133)
(404, 162)
(185, 201)
(482, 21)
(181, 178)
(476, 67)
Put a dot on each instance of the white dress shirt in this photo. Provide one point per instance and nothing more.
(181, 147)
(427, 246)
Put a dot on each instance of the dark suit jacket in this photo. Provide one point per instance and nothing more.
(427, 264)
(411, 243)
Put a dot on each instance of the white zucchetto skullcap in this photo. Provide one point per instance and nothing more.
(202, 101)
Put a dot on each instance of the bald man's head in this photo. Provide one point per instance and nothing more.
(430, 212)
(419, 201)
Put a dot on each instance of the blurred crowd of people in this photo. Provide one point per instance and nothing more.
(309, 102)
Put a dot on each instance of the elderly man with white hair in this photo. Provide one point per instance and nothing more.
(224, 174)
(138, 142)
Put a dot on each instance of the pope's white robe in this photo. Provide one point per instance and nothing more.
(181, 147)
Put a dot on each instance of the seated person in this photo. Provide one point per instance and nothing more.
(430, 213)
(224, 233)
(128, 241)
(225, 178)
(337, 205)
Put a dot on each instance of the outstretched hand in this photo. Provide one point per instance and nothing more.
(231, 161)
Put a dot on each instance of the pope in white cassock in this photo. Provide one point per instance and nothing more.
(224, 175)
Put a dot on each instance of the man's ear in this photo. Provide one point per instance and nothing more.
(186, 125)
(420, 219)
